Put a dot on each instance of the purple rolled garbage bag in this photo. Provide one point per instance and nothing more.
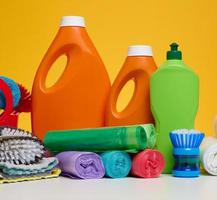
(84, 165)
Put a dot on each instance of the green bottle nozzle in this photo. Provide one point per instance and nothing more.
(174, 47)
(174, 54)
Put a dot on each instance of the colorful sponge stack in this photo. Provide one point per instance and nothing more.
(21, 157)
(122, 149)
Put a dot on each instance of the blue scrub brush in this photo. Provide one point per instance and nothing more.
(186, 152)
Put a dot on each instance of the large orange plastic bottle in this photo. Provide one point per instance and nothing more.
(78, 98)
(138, 66)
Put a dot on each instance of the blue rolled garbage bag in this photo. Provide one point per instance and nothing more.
(117, 164)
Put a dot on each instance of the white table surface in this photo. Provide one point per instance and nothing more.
(163, 188)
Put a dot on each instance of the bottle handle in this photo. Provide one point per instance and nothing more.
(49, 59)
(135, 76)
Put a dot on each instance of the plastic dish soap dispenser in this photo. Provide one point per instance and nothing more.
(174, 91)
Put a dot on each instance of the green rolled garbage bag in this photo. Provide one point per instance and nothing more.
(128, 138)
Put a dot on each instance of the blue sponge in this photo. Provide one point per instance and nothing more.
(15, 92)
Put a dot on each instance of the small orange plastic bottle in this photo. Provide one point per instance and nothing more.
(78, 98)
(138, 66)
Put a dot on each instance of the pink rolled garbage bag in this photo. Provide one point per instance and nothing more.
(148, 164)
(84, 165)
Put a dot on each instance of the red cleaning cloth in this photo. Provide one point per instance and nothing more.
(148, 164)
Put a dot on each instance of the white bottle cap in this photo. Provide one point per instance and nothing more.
(140, 50)
(72, 21)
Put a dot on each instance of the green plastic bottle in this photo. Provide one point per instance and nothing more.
(174, 92)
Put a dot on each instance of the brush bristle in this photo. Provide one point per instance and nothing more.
(25, 100)
(184, 138)
(19, 147)
(8, 131)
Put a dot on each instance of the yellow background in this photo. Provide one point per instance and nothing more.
(27, 28)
